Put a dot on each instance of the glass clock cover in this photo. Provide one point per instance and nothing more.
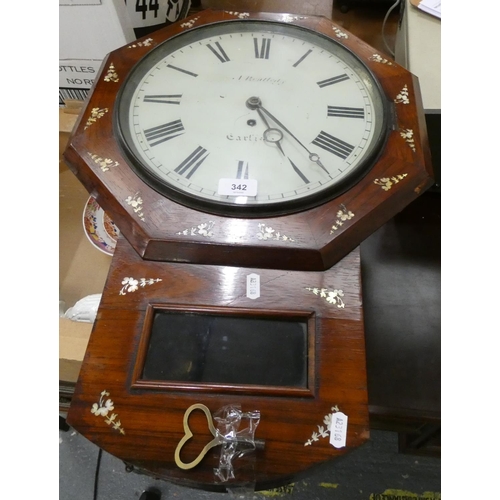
(251, 117)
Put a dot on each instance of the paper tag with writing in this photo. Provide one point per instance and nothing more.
(338, 429)
(253, 286)
(237, 187)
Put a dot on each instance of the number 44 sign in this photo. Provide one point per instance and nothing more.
(146, 13)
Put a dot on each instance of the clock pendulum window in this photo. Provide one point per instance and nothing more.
(244, 158)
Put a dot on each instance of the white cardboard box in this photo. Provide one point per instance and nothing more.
(87, 33)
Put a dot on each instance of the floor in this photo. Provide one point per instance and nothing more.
(375, 471)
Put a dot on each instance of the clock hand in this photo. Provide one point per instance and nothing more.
(275, 135)
(256, 103)
(271, 134)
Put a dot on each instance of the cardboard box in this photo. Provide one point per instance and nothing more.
(92, 31)
(82, 267)
(88, 30)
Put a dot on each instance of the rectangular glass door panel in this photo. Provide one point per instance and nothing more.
(223, 349)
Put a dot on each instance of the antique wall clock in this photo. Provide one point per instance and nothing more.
(259, 140)
(244, 158)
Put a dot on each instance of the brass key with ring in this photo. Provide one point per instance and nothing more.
(219, 439)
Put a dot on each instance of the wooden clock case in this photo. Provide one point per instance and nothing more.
(166, 260)
(160, 229)
(144, 424)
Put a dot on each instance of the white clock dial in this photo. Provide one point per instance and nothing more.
(251, 116)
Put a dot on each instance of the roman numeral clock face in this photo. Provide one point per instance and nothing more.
(251, 118)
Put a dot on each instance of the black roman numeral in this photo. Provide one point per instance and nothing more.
(333, 145)
(346, 112)
(162, 133)
(331, 81)
(190, 73)
(262, 52)
(189, 166)
(219, 52)
(302, 58)
(164, 99)
(242, 172)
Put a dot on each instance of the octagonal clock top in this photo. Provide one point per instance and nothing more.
(258, 140)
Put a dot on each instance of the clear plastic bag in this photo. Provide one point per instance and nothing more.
(85, 310)
(236, 430)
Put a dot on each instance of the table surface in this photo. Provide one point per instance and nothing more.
(400, 266)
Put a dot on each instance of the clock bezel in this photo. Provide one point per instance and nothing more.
(257, 210)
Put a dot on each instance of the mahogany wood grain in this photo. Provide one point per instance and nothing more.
(304, 7)
(155, 231)
(151, 417)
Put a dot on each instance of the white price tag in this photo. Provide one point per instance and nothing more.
(237, 187)
(338, 429)
(253, 286)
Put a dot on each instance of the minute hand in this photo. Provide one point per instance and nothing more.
(312, 156)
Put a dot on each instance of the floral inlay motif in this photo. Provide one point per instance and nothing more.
(104, 408)
(104, 163)
(343, 215)
(131, 284)
(146, 43)
(111, 75)
(323, 431)
(378, 58)
(339, 33)
(268, 233)
(402, 97)
(136, 203)
(204, 229)
(333, 297)
(407, 135)
(95, 114)
(190, 23)
(290, 19)
(241, 15)
(388, 182)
